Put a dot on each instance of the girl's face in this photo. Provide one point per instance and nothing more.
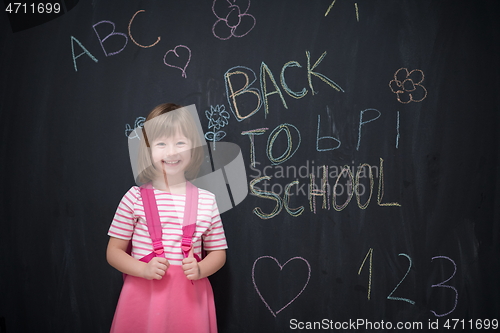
(172, 155)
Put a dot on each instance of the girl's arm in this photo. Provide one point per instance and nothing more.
(118, 258)
(213, 261)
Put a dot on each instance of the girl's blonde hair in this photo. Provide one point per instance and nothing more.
(166, 120)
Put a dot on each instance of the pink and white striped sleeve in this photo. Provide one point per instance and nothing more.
(124, 220)
(214, 238)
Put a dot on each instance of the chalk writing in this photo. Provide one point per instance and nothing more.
(286, 201)
(130, 32)
(318, 138)
(251, 133)
(355, 8)
(319, 75)
(363, 122)
(323, 192)
(85, 51)
(174, 51)
(290, 92)
(217, 118)
(354, 187)
(349, 193)
(439, 285)
(232, 94)
(274, 313)
(443, 285)
(407, 85)
(263, 71)
(330, 7)
(139, 122)
(236, 72)
(265, 195)
(235, 22)
(275, 197)
(112, 34)
(357, 185)
(404, 277)
(102, 27)
(288, 152)
(370, 253)
(380, 194)
(397, 129)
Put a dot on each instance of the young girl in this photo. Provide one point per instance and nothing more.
(170, 293)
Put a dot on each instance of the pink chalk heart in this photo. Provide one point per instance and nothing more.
(274, 313)
(174, 51)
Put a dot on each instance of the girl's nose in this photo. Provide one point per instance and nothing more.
(170, 150)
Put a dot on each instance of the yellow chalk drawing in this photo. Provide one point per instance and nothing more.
(233, 94)
(349, 195)
(370, 253)
(313, 192)
(380, 194)
(330, 7)
(356, 185)
(319, 75)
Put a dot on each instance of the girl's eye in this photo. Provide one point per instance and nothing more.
(181, 143)
(160, 144)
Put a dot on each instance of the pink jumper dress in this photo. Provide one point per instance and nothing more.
(173, 304)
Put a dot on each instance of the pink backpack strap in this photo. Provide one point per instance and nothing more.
(190, 215)
(153, 222)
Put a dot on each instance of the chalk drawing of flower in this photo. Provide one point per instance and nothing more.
(408, 85)
(217, 117)
(232, 20)
(139, 123)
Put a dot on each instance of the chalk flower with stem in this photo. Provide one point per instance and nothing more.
(217, 117)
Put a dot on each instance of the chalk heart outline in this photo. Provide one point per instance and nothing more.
(281, 268)
(174, 51)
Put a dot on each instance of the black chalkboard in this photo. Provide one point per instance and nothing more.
(393, 103)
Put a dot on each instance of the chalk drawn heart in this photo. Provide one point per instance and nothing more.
(281, 268)
(174, 51)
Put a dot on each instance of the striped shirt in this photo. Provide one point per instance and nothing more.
(129, 222)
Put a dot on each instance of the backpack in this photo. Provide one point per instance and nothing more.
(154, 225)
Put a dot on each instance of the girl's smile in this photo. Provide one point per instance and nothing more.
(172, 155)
(171, 162)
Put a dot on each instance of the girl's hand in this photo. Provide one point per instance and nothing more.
(190, 267)
(156, 268)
